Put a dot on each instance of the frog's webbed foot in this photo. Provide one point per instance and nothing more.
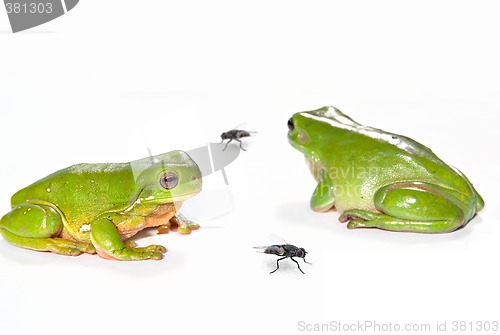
(154, 252)
(363, 219)
(152, 249)
(184, 225)
(358, 218)
(109, 244)
(64, 247)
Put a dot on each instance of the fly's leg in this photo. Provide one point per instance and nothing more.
(277, 264)
(241, 145)
(227, 144)
(297, 264)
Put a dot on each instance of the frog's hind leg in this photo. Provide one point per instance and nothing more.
(421, 208)
(35, 227)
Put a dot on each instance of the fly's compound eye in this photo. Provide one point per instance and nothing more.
(169, 180)
(291, 127)
(299, 253)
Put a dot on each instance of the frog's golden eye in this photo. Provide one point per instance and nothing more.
(291, 127)
(169, 180)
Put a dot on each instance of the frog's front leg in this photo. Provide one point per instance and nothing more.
(411, 207)
(323, 199)
(109, 244)
(36, 227)
(184, 225)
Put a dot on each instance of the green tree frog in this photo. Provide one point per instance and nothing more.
(378, 179)
(95, 208)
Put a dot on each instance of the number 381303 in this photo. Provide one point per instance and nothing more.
(28, 8)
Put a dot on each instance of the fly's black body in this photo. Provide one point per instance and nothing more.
(235, 134)
(286, 251)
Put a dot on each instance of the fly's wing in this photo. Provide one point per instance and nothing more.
(240, 130)
(288, 249)
(272, 249)
(261, 249)
(232, 131)
(276, 239)
(246, 133)
(276, 246)
(241, 125)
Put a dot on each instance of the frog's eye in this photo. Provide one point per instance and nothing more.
(169, 180)
(291, 127)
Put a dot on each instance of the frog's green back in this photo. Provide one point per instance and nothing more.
(83, 188)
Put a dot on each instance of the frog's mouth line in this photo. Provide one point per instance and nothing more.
(171, 199)
(183, 197)
(294, 144)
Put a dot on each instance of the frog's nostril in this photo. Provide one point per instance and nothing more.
(291, 127)
(193, 178)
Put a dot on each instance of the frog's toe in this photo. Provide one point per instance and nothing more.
(68, 251)
(194, 226)
(69, 248)
(184, 226)
(185, 230)
(87, 248)
(356, 223)
(358, 218)
(164, 230)
(153, 254)
(358, 215)
(156, 249)
(156, 256)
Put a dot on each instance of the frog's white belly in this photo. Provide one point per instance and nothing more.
(348, 196)
(342, 205)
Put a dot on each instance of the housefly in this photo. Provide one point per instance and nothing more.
(235, 134)
(286, 251)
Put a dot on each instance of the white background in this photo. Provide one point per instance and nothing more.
(111, 79)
